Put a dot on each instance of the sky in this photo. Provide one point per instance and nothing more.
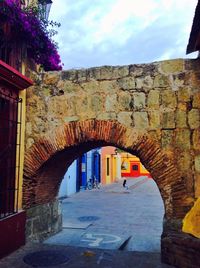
(121, 32)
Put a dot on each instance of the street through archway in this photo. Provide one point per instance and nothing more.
(113, 217)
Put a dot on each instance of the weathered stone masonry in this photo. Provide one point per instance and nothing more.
(150, 110)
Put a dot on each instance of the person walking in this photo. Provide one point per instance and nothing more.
(125, 185)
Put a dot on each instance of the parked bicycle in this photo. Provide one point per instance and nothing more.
(93, 183)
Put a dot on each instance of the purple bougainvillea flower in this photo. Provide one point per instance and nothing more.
(33, 31)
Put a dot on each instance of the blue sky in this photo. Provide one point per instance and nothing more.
(121, 32)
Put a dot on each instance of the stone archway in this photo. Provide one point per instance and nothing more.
(66, 143)
(47, 160)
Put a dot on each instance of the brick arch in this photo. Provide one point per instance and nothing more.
(48, 159)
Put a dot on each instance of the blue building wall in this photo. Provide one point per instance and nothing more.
(80, 172)
(68, 185)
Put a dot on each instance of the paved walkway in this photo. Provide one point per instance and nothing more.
(102, 228)
(109, 217)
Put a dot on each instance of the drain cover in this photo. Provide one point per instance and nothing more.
(46, 258)
(88, 218)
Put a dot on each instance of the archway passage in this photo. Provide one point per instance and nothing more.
(48, 159)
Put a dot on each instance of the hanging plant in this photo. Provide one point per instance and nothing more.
(27, 26)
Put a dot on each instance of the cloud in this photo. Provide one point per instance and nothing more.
(118, 32)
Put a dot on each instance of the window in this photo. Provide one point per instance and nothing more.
(107, 166)
(9, 172)
(135, 167)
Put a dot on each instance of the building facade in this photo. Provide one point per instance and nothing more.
(14, 64)
(132, 167)
(85, 168)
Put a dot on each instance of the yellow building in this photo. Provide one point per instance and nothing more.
(132, 167)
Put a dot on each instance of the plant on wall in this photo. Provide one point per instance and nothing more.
(27, 26)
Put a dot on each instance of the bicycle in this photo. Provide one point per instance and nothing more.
(93, 184)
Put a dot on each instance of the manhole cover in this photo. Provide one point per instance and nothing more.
(46, 258)
(88, 218)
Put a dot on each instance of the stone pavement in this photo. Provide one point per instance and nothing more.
(83, 258)
(111, 227)
(106, 218)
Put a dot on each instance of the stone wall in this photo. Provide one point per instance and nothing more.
(180, 250)
(43, 221)
(150, 110)
(161, 98)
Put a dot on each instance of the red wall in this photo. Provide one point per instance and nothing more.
(12, 233)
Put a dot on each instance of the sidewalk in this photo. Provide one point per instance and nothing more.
(76, 257)
(108, 227)
(109, 217)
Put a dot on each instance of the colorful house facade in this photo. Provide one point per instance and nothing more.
(86, 167)
(132, 167)
(110, 165)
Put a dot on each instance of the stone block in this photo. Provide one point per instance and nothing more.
(172, 66)
(136, 70)
(182, 138)
(124, 100)
(178, 81)
(96, 103)
(125, 118)
(106, 72)
(71, 118)
(184, 94)
(139, 100)
(107, 116)
(51, 78)
(181, 117)
(167, 138)
(139, 83)
(197, 163)
(108, 87)
(119, 72)
(168, 120)
(68, 86)
(182, 106)
(194, 118)
(29, 143)
(196, 100)
(111, 103)
(196, 139)
(153, 99)
(127, 83)
(140, 120)
(154, 119)
(91, 87)
(168, 99)
(148, 82)
(161, 81)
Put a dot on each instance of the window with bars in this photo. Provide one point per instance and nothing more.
(10, 129)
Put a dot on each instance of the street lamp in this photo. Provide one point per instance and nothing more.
(45, 6)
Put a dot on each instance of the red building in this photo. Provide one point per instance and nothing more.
(132, 167)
